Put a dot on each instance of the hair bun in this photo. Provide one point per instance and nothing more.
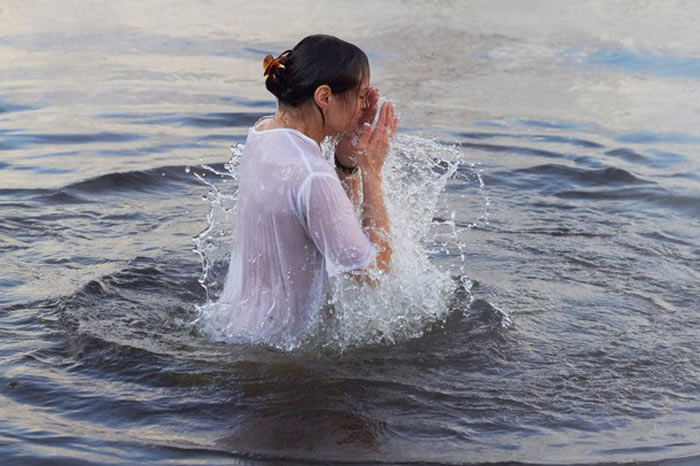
(276, 69)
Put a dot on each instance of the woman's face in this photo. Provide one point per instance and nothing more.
(346, 109)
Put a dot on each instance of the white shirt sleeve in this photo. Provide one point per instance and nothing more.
(333, 226)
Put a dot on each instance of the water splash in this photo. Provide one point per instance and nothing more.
(213, 245)
(417, 295)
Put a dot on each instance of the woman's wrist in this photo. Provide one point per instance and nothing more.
(371, 182)
(370, 173)
(348, 170)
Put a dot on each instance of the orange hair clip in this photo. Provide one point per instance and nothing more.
(270, 64)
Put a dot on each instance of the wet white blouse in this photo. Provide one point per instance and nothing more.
(296, 227)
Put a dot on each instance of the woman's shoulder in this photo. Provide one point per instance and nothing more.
(289, 145)
(264, 124)
(286, 137)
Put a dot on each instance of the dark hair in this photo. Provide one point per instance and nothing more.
(314, 61)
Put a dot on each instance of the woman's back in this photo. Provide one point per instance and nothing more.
(295, 226)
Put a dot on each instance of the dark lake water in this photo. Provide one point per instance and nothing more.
(573, 132)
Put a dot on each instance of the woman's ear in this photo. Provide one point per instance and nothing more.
(322, 96)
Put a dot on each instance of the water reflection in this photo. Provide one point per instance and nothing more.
(584, 117)
(306, 413)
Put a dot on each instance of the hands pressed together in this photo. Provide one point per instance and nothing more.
(366, 146)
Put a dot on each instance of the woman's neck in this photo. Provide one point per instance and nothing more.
(300, 119)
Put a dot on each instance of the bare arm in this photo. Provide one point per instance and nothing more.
(371, 160)
(367, 148)
(350, 146)
(375, 219)
(352, 185)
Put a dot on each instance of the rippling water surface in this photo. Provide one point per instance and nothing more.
(567, 221)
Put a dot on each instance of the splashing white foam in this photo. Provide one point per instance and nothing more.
(408, 301)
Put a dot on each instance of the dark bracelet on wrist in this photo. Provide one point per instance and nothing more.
(345, 169)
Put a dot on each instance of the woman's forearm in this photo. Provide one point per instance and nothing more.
(375, 219)
(351, 184)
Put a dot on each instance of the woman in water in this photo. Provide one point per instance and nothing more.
(296, 222)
